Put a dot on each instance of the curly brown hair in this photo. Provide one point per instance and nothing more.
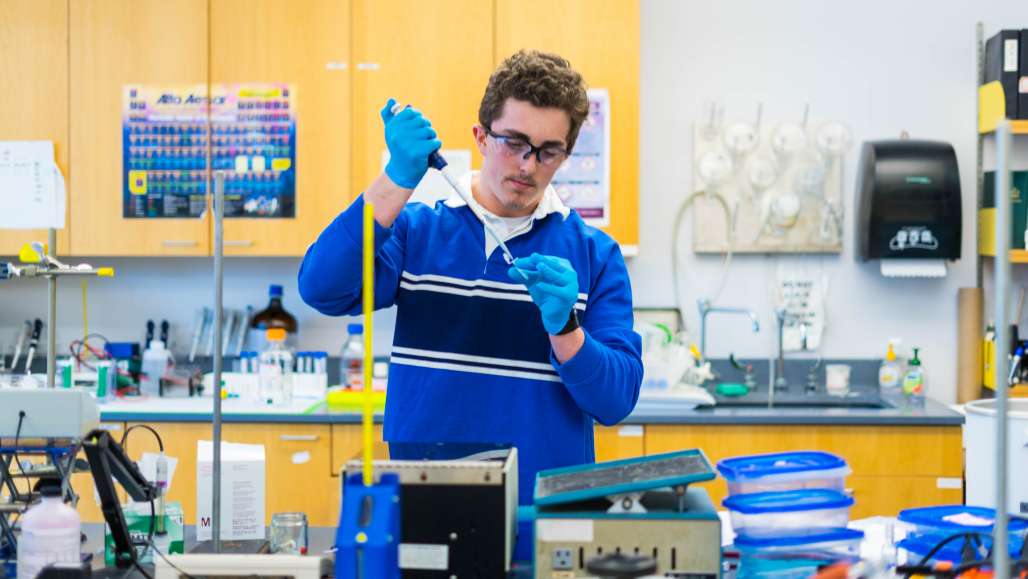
(543, 79)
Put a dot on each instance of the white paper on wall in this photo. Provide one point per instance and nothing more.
(31, 186)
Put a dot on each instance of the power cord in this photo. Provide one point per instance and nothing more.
(21, 469)
(124, 437)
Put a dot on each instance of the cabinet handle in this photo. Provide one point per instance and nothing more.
(238, 243)
(180, 243)
(332, 65)
(298, 437)
(368, 66)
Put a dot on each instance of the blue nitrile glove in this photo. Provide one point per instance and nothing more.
(411, 139)
(553, 285)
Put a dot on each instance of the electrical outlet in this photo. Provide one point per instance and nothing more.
(562, 559)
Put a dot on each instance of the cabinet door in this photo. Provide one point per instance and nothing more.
(617, 442)
(34, 85)
(435, 57)
(305, 43)
(180, 440)
(298, 475)
(601, 40)
(116, 43)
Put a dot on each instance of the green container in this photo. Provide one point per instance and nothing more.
(1018, 203)
(138, 521)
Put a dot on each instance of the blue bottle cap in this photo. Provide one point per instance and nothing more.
(355, 329)
(275, 291)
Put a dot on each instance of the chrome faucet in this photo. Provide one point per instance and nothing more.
(778, 374)
(706, 308)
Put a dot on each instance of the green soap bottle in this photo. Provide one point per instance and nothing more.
(913, 381)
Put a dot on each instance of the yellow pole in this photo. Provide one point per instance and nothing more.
(369, 309)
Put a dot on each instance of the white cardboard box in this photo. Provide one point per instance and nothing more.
(242, 491)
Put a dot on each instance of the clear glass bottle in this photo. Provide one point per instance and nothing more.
(276, 368)
(351, 363)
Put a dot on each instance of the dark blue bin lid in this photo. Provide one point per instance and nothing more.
(762, 465)
(787, 501)
(937, 517)
(810, 537)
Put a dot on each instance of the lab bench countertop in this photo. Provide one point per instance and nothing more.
(893, 412)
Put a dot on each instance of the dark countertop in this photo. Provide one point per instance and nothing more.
(896, 413)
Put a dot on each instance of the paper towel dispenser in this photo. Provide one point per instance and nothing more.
(908, 201)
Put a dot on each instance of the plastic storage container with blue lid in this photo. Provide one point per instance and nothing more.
(813, 538)
(768, 513)
(947, 520)
(796, 555)
(783, 471)
(953, 552)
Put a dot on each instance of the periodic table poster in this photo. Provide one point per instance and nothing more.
(251, 136)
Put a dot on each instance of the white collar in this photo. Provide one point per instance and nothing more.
(550, 203)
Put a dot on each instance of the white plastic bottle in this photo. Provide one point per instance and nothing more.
(50, 533)
(155, 364)
(351, 365)
(275, 369)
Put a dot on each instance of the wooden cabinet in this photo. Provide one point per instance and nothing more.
(115, 43)
(304, 43)
(297, 468)
(179, 442)
(617, 442)
(435, 57)
(34, 85)
(894, 467)
(601, 40)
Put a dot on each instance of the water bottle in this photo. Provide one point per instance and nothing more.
(155, 363)
(50, 533)
(276, 368)
(351, 365)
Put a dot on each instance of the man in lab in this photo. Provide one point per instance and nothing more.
(483, 352)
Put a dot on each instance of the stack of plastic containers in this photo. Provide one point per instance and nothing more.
(789, 512)
(971, 529)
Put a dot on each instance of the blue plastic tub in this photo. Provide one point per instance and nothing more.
(947, 520)
(783, 471)
(770, 513)
(795, 555)
(916, 547)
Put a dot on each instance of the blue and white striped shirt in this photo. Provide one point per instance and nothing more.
(471, 361)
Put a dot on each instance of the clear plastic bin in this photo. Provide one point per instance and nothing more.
(783, 471)
(915, 549)
(795, 555)
(769, 514)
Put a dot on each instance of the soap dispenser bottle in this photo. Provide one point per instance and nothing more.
(889, 373)
(913, 382)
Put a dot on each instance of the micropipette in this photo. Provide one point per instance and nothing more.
(437, 162)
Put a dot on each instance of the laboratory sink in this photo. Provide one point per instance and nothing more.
(868, 399)
(760, 399)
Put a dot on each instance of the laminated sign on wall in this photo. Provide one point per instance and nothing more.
(251, 133)
(583, 181)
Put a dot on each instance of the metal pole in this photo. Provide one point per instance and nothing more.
(219, 278)
(1001, 555)
(51, 321)
(1003, 225)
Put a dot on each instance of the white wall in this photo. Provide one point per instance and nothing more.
(881, 66)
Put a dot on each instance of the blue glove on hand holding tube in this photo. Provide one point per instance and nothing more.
(410, 139)
(553, 285)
